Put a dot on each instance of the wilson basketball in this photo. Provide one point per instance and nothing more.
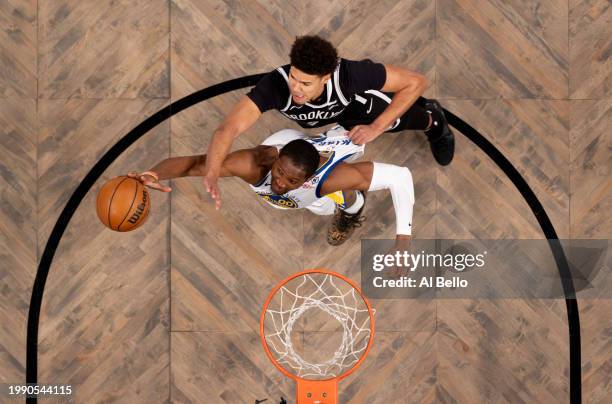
(123, 204)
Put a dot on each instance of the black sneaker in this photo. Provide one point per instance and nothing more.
(343, 225)
(441, 139)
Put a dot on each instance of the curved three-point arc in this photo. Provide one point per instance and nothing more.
(502, 162)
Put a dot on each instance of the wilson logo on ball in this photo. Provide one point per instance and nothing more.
(140, 209)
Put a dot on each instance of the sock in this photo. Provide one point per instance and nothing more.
(354, 208)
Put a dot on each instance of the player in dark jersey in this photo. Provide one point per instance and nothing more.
(318, 88)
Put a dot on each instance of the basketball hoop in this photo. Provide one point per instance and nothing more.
(327, 299)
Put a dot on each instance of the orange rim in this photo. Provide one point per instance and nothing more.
(280, 285)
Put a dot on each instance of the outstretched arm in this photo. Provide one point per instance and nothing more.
(373, 176)
(241, 163)
(244, 114)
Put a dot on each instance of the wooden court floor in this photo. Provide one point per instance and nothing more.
(169, 313)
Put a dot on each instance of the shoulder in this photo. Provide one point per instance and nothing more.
(276, 78)
(264, 156)
(340, 170)
(246, 164)
(272, 90)
(337, 178)
(356, 76)
(352, 66)
(345, 176)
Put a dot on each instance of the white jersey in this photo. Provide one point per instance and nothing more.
(333, 145)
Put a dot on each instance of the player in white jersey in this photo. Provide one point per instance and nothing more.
(293, 171)
(333, 146)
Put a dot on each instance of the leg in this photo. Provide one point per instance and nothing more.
(426, 115)
(346, 217)
(366, 107)
(440, 137)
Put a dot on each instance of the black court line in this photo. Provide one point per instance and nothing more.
(109, 157)
(571, 303)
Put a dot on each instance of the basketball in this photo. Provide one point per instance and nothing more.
(123, 204)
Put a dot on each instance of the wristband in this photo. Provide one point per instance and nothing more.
(152, 174)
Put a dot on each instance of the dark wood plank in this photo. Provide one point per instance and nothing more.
(497, 48)
(103, 49)
(18, 49)
(112, 300)
(18, 222)
(105, 316)
(590, 67)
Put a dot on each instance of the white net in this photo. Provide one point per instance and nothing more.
(327, 299)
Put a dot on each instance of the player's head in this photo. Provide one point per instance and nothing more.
(297, 162)
(313, 60)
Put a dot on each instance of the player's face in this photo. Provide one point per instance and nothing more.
(305, 87)
(286, 176)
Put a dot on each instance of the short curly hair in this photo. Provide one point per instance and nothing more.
(303, 155)
(313, 55)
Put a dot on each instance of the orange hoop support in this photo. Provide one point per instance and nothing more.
(316, 391)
